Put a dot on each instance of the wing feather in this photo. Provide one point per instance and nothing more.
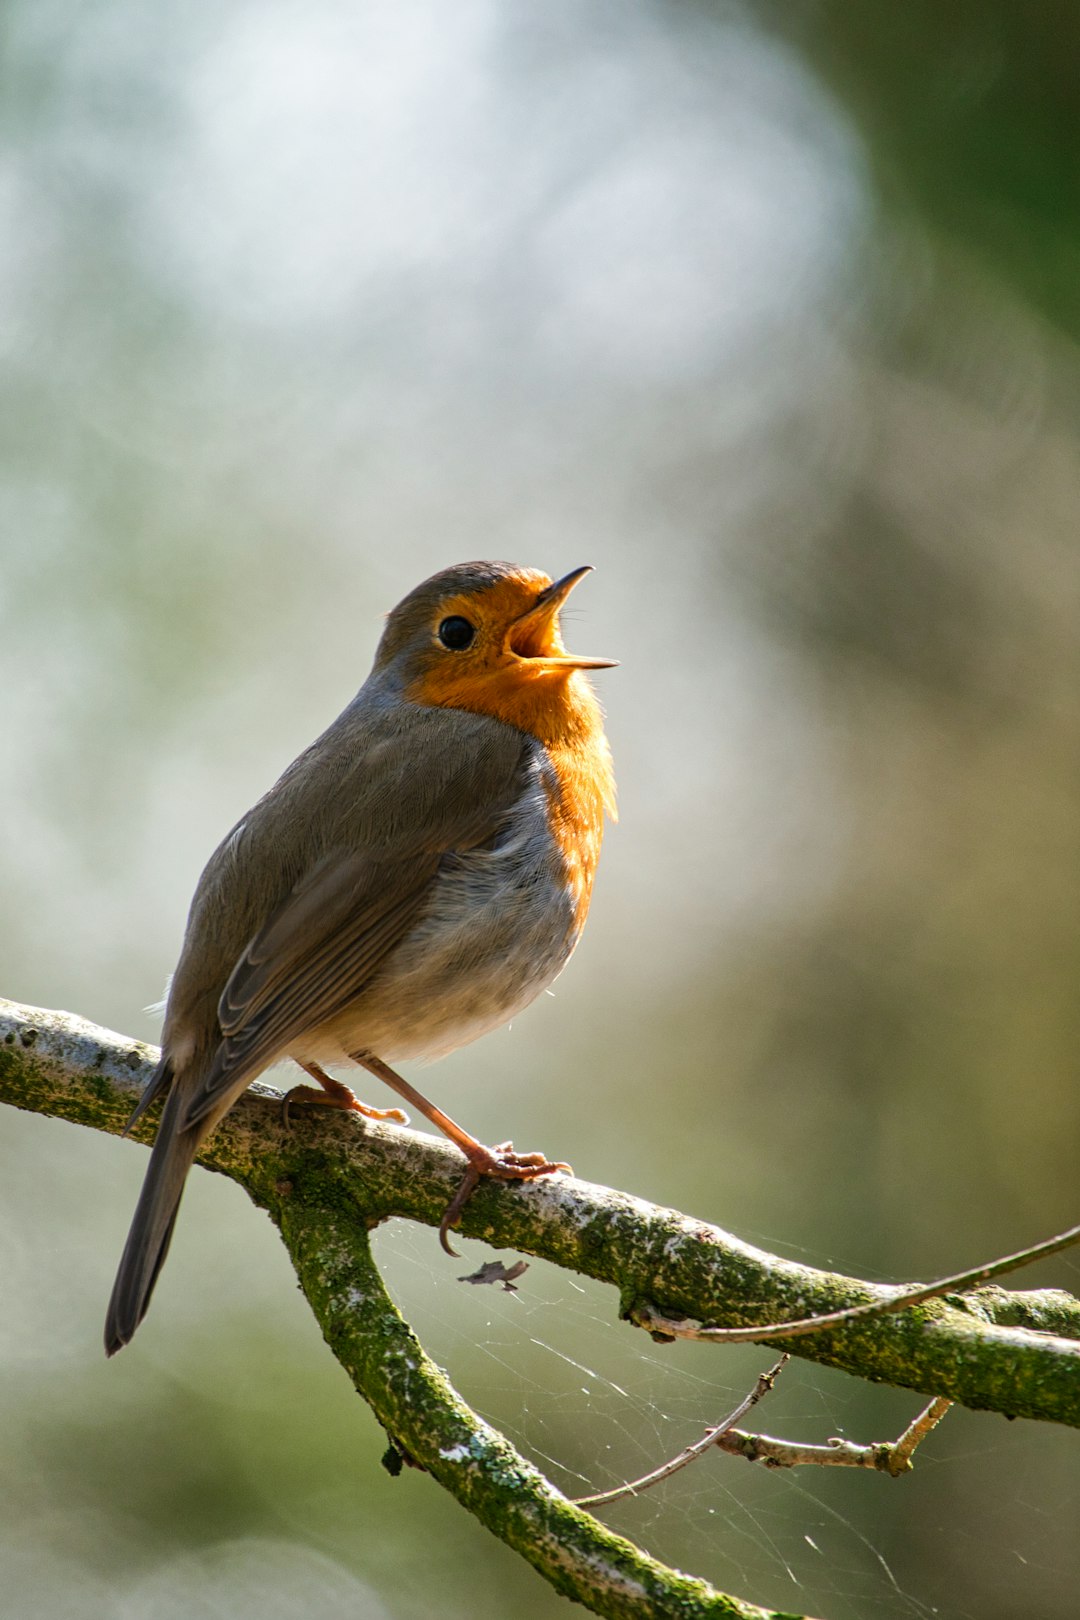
(354, 901)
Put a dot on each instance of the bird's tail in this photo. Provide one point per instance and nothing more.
(147, 1243)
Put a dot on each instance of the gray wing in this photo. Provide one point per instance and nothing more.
(355, 902)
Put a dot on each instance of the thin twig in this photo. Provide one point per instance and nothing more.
(668, 1327)
(886, 1456)
(711, 1437)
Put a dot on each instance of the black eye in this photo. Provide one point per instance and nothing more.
(456, 633)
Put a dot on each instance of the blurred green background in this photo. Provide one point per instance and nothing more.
(769, 312)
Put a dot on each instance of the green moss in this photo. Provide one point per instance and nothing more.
(427, 1420)
(326, 1185)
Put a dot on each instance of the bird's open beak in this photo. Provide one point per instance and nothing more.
(536, 636)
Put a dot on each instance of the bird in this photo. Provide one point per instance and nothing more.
(415, 878)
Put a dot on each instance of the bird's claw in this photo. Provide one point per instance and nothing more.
(502, 1164)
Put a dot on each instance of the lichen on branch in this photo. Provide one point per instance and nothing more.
(325, 1187)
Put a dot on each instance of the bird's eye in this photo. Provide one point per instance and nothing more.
(456, 633)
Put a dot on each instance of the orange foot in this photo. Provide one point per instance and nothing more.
(503, 1164)
(333, 1094)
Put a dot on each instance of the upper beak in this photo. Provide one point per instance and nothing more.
(536, 634)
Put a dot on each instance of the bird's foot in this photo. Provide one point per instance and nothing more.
(501, 1163)
(333, 1093)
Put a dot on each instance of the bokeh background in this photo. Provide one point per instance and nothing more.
(769, 312)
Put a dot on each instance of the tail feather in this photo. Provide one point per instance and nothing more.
(147, 1243)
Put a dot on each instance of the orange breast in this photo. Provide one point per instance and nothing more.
(580, 788)
(562, 712)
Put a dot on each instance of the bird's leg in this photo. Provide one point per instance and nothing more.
(501, 1161)
(334, 1095)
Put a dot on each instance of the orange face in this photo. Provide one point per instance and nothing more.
(498, 650)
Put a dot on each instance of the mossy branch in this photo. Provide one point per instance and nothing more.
(433, 1427)
(327, 1184)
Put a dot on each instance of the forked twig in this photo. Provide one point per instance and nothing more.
(886, 1456)
(711, 1437)
(669, 1328)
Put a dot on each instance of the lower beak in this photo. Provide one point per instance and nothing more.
(535, 635)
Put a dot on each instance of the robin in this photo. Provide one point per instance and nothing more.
(414, 879)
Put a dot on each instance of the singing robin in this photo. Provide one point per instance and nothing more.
(415, 878)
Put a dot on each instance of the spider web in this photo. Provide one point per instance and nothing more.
(595, 1403)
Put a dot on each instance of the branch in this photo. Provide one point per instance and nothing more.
(327, 1184)
(958, 1282)
(991, 1350)
(886, 1456)
(54, 1064)
(433, 1427)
